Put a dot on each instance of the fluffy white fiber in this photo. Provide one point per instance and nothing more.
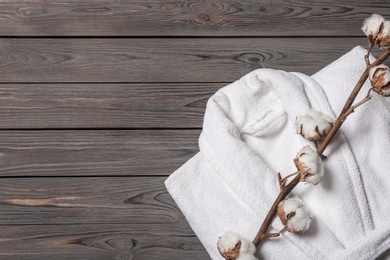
(247, 247)
(386, 29)
(291, 205)
(381, 79)
(230, 239)
(302, 218)
(373, 70)
(314, 125)
(385, 73)
(383, 40)
(308, 160)
(372, 24)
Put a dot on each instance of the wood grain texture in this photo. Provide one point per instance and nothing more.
(100, 242)
(81, 81)
(93, 218)
(187, 18)
(95, 153)
(136, 242)
(87, 200)
(162, 60)
(54, 106)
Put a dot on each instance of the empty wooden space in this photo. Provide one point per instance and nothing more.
(100, 101)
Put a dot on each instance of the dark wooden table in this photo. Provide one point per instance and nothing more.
(101, 100)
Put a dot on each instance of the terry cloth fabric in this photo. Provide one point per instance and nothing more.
(248, 136)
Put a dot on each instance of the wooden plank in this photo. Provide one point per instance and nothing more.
(187, 18)
(133, 238)
(104, 241)
(97, 153)
(162, 60)
(31, 106)
(92, 218)
(87, 200)
(385, 255)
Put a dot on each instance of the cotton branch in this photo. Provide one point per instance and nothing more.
(263, 234)
(378, 33)
(347, 110)
(350, 101)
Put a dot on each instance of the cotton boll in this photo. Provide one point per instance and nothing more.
(380, 79)
(247, 247)
(324, 122)
(229, 243)
(232, 245)
(372, 25)
(294, 216)
(301, 220)
(306, 126)
(247, 250)
(291, 205)
(308, 160)
(313, 178)
(386, 28)
(310, 164)
(314, 125)
(383, 40)
(374, 69)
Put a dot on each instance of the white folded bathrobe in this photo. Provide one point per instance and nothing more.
(249, 135)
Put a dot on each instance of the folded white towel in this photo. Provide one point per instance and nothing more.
(248, 136)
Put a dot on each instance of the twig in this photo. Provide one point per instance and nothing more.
(347, 109)
(282, 181)
(352, 108)
(367, 56)
(350, 101)
(261, 235)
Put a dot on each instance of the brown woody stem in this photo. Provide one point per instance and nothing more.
(262, 234)
(352, 108)
(348, 109)
(367, 56)
(350, 101)
(283, 180)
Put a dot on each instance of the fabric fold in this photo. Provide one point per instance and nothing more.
(248, 136)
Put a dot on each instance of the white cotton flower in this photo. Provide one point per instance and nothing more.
(372, 25)
(294, 216)
(383, 40)
(228, 239)
(373, 70)
(232, 245)
(247, 247)
(314, 125)
(380, 79)
(310, 164)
